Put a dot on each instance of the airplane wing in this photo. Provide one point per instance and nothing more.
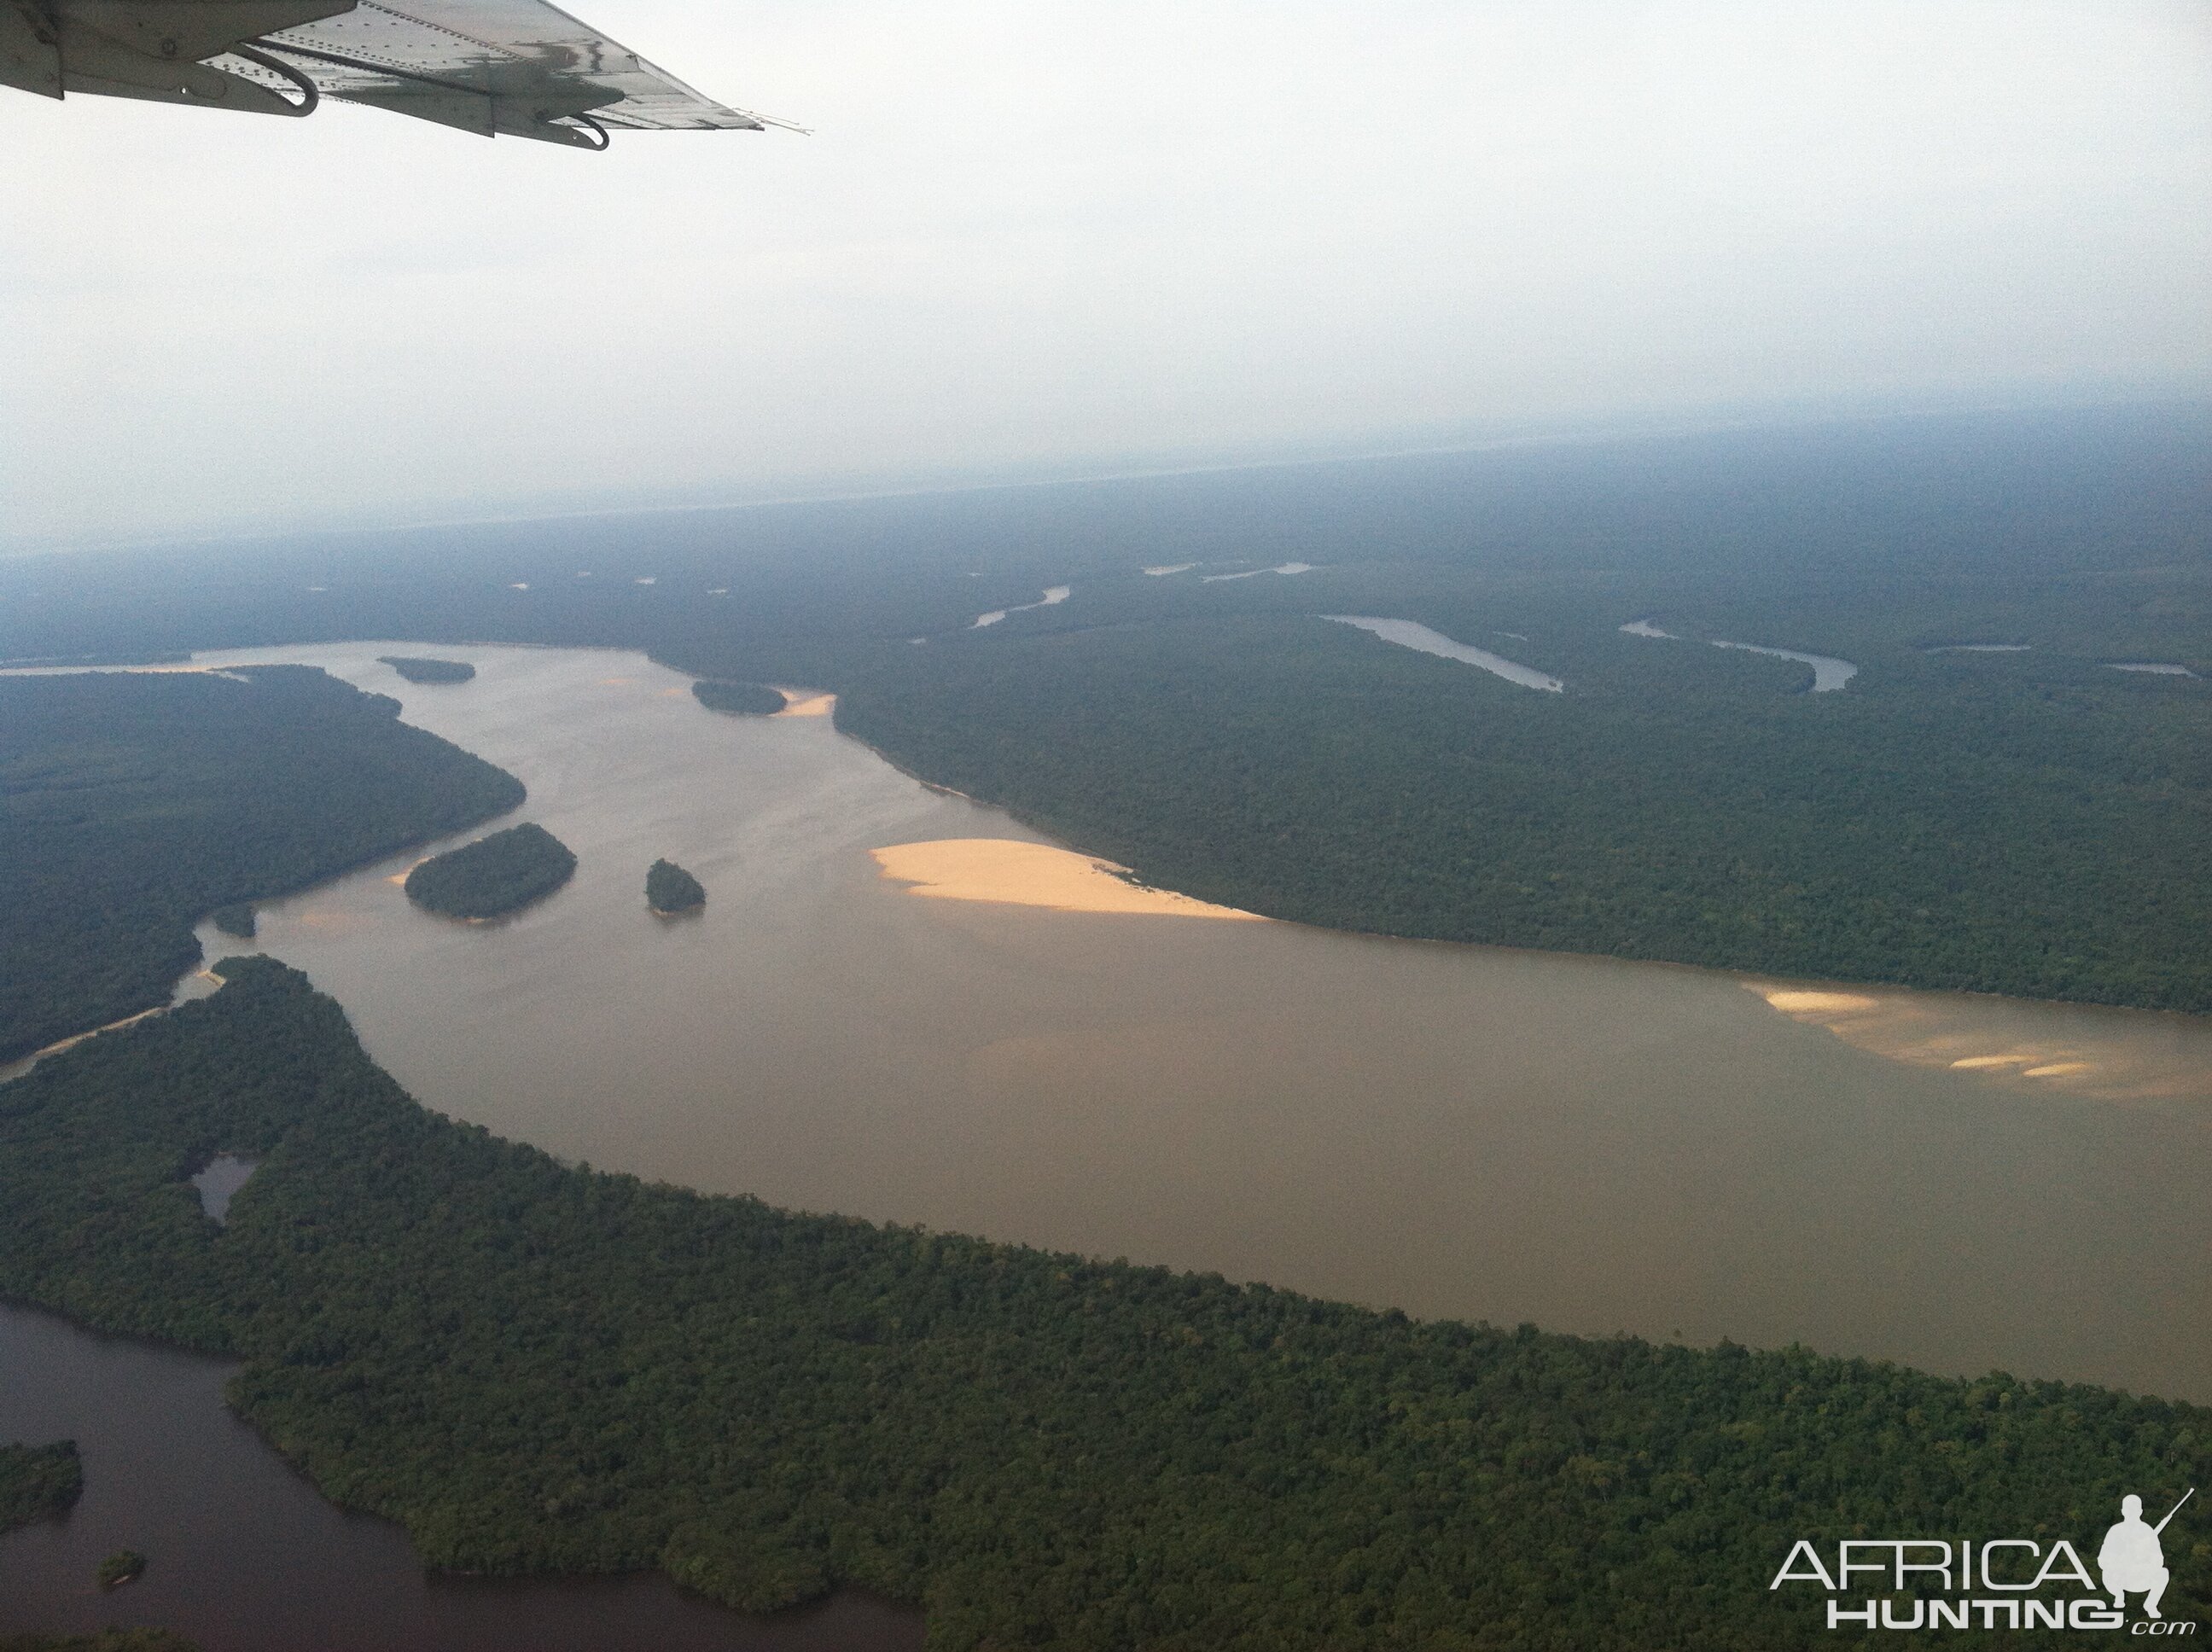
(521, 67)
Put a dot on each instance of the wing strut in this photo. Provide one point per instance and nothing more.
(309, 97)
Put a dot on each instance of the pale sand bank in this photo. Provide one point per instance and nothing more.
(22, 1065)
(1012, 873)
(2103, 1053)
(803, 702)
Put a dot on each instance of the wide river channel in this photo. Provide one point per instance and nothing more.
(1959, 1183)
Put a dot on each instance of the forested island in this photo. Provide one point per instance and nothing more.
(131, 805)
(584, 1372)
(2028, 822)
(124, 1566)
(670, 890)
(416, 670)
(748, 699)
(493, 876)
(38, 1482)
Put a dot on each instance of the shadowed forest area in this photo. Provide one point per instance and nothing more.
(537, 1367)
(133, 805)
(37, 1482)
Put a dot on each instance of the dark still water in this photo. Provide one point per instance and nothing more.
(243, 1556)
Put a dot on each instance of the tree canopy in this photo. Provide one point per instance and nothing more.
(670, 888)
(495, 875)
(419, 670)
(539, 1367)
(133, 803)
(748, 699)
(37, 1481)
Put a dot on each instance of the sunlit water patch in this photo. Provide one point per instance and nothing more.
(1255, 573)
(1053, 597)
(1409, 634)
(219, 1181)
(1829, 674)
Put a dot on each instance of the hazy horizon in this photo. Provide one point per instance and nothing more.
(1023, 248)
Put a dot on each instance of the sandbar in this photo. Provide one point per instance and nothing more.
(1794, 1001)
(2111, 1055)
(1007, 872)
(803, 702)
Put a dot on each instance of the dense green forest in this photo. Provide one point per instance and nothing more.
(429, 670)
(2032, 822)
(131, 805)
(670, 888)
(107, 1640)
(536, 1366)
(749, 699)
(2027, 823)
(495, 875)
(37, 1482)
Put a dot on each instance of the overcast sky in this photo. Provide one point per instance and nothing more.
(1026, 234)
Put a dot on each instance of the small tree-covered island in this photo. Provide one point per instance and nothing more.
(429, 670)
(37, 1482)
(493, 876)
(122, 1567)
(670, 890)
(748, 699)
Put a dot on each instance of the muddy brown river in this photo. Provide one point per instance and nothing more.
(1956, 1182)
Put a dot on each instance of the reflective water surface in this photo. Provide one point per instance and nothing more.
(1410, 634)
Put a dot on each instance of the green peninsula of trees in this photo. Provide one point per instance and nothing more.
(494, 875)
(429, 670)
(669, 889)
(749, 699)
(131, 805)
(37, 1482)
(540, 1368)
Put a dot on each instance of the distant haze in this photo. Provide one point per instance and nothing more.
(1028, 240)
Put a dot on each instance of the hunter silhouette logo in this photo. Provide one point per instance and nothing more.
(2132, 1558)
(2012, 1583)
